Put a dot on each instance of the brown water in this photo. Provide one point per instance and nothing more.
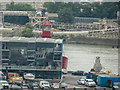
(82, 57)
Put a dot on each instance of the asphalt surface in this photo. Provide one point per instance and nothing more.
(71, 80)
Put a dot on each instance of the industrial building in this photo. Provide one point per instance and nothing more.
(33, 55)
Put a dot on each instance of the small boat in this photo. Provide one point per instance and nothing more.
(29, 76)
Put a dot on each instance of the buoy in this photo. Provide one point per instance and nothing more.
(112, 46)
(117, 46)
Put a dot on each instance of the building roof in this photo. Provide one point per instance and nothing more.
(52, 15)
(33, 39)
(106, 75)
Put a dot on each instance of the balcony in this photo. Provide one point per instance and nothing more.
(32, 60)
(31, 50)
(5, 59)
(5, 50)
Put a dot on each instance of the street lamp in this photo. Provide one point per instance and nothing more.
(7, 72)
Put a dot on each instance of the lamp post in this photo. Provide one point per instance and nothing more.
(7, 72)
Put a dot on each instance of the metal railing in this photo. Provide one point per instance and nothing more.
(30, 67)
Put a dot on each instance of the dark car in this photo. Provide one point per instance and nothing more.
(24, 87)
(81, 73)
(116, 86)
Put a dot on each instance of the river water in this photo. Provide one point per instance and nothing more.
(82, 57)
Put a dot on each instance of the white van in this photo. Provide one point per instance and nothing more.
(44, 85)
(4, 84)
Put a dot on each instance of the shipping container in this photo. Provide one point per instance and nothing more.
(107, 80)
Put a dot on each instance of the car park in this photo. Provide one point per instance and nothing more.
(4, 84)
(90, 83)
(81, 81)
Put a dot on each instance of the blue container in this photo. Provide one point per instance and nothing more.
(89, 75)
(102, 80)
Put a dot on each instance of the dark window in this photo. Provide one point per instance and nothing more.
(5, 55)
(57, 56)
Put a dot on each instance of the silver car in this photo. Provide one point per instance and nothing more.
(81, 81)
(90, 83)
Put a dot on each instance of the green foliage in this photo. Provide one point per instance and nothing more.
(19, 7)
(65, 15)
(28, 25)
(7, 33)
(64, 37)
(27, 31)
(53, 7)
(95, 10)
(54, 26)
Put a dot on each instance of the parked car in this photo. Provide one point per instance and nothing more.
(4, 84)
(35, 86)
(44, 85)
(90, 83)
(81, 73)
(76, 88)
(24, 87)
(116, 86)
(26, 84)
(81, 81)
(55, 85)
(63, 85)
(15, 87)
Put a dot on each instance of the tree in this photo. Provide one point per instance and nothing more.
(95, 10)
(19, 7)
(65, 15)
(28, 25)
(27, 31)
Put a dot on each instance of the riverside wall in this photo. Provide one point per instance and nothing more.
(95, 41)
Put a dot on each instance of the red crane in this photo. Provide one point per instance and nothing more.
(46, 30)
